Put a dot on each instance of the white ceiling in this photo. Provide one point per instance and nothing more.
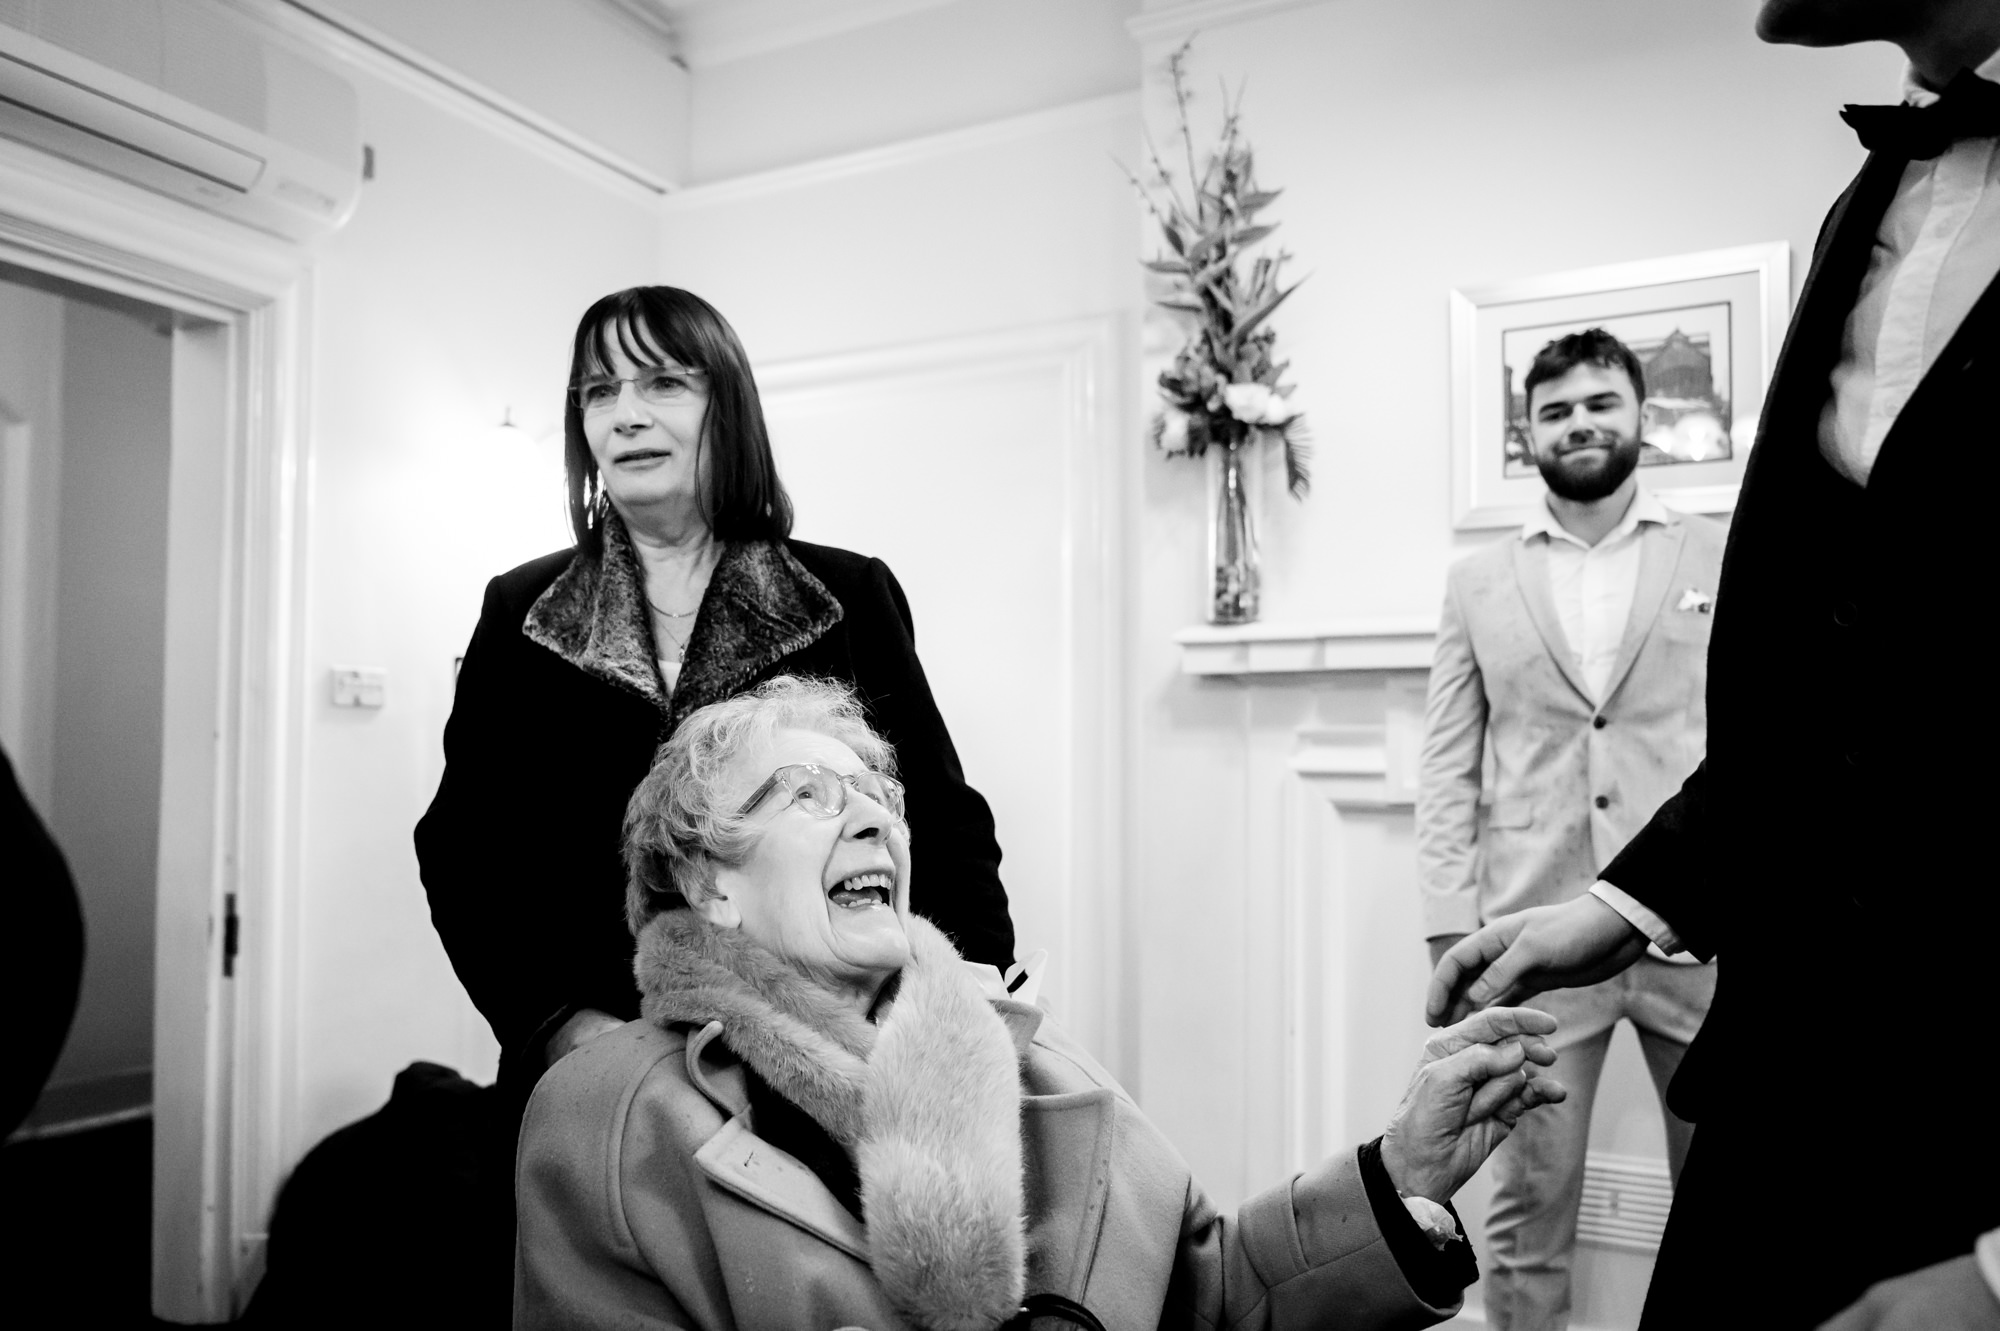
(714, 32)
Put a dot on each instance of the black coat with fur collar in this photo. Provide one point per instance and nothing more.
(558, 712)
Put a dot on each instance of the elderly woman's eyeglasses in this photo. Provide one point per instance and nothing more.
(822, 792)
(656, 384)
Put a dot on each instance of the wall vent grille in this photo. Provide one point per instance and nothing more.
(1625, 1202)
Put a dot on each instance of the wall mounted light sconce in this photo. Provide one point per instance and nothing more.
(509, 434)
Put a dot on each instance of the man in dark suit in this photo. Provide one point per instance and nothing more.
(1843, 1150)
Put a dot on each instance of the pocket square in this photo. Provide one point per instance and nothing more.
(1698, 601)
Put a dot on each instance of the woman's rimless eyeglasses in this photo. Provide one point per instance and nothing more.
(656, 384)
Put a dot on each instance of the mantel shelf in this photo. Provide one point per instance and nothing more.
(1325, 648)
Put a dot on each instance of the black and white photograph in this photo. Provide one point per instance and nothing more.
(997, 665)
(1704, 329)
(1684, 352)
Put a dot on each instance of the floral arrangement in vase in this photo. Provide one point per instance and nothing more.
(1225, 387)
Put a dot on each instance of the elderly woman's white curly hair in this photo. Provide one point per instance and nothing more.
(678, 826)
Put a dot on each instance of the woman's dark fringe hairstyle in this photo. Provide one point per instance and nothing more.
(742, 497)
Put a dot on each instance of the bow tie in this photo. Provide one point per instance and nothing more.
(1968, 108)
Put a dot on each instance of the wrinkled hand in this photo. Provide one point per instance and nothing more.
(1951, 1296)
(1476, 1080)
(583, 1027)
(1517, 956)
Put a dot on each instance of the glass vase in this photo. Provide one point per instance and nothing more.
(1232, 542)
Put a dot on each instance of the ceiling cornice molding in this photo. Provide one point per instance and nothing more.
(826, 169)
(652, 18)
(1176, 22)
(716, 32)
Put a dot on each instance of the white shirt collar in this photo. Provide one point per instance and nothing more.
(1646, 507)
(1916, 94)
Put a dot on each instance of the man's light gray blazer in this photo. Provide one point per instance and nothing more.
(1573, 780)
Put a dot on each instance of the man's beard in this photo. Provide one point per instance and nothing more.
(1588, 486)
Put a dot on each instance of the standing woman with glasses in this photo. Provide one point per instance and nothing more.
(684, 588)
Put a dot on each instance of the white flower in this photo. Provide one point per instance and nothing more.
(1256, 404)
(1250, 403)
(1173, 431)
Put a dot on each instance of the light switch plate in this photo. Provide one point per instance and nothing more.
(360, 686)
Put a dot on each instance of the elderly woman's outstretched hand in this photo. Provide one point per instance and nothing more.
(1476, 1080)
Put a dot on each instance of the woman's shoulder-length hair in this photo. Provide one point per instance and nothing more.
(743, 499)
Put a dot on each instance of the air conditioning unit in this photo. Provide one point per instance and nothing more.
(188, 99)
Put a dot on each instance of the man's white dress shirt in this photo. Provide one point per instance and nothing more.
(1937, 250)
(1594, 584)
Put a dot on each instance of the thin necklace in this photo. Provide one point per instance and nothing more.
(678, 644)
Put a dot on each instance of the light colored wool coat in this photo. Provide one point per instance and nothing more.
(1573, 778)
(995, 1156)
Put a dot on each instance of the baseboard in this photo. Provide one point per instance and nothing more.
(88, 1102)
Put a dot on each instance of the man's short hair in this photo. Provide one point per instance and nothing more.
(677, 826)
(1593, 346)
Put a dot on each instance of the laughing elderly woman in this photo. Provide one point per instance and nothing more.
(827, 1119)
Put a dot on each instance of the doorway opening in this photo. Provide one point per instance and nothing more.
(87, 401)
(211, 619)
(85, 377)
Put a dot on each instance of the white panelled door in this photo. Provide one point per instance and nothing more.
(982, 471)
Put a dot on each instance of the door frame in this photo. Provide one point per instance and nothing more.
(224, 1076)
(16, 551)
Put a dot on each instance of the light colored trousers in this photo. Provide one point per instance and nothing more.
(1538, 1171)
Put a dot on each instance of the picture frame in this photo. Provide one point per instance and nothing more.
(1706, 326)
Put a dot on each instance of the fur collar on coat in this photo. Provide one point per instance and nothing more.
(761, 606)
(927, 1100)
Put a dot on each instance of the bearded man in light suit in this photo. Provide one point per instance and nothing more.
(1576, 651)
(1832, 849)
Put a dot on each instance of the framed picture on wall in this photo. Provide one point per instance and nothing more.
(1705, 327)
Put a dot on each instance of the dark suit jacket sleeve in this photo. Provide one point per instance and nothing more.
(509, 849)
(1669, 866)
(955, 873)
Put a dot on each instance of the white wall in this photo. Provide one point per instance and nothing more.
(110, 645)
(586, 65)
(31, 345)
(450, 298)
(944, 67)
(1029, 226)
